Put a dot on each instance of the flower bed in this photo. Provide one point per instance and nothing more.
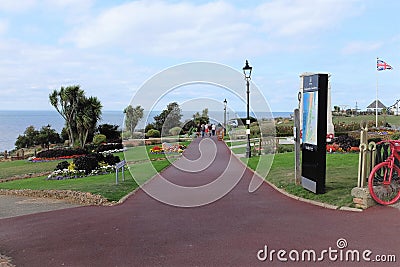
(73, 174)
(156, 150)
(343, 143)
(167, 148)
(38, 159)
(113, 151)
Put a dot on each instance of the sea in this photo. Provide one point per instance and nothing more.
(13, 123)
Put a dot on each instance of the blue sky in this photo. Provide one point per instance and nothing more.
(111, 48)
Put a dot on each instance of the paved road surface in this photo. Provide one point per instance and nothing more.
(228, 232)
(11, 206)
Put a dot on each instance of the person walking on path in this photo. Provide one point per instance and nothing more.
(213, 127)
(198, 130)
(203, 128)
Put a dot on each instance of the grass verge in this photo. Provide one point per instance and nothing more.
(341, 177)
(139, 165)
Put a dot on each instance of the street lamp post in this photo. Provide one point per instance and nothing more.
(225, 103)
(48, 136)
(247, 75)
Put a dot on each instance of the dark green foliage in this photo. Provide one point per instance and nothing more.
(62, 165)
(111, 159)
(86, 163)
(56, 153)
(282, 130)
(32, 137)
(111, 132)
(169, 118)
(153, 133)
(255, 130)
(285, 148)
(149, 127)
(99, 138)
(395, 136)
(346, 142)
(188, 126)
(376, 140)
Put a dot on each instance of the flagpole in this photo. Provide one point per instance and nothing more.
(376, 101)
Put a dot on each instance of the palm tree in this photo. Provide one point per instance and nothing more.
(89, 113)
(66, 103)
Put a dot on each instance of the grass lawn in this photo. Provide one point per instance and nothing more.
(19, 167)
(341, 177)
(139, 166)
(101, 184)
(391, 119)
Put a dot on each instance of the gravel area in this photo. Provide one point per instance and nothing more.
(12, 206)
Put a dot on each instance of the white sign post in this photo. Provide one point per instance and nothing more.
(120, 165)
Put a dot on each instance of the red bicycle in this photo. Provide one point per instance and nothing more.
(384, 180)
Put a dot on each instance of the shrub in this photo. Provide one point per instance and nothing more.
(395, 136)
(153, 133)
(285, 148)
(126, 135)
(345, 142)
(62, 165)
(56, 153)
(255, 130)
(282, 131)
(111, 159)
(175, 130)
(99, 138)
(86, 163)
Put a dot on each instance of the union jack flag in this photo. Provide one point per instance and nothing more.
(382, 65)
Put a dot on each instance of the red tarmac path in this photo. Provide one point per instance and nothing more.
(227, 232)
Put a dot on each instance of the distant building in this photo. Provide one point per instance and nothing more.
(395, 108)
(372, 106)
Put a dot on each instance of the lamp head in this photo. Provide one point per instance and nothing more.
(247, 70)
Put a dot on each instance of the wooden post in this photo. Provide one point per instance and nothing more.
(296, 132)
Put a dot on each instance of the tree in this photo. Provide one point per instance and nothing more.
(132, 117)
(203, 118)
(22, 142)
(168, 119)
(110, 131)
(66, 102)
(32, 137)
(88, 113)
(47, 136)
(79, 112)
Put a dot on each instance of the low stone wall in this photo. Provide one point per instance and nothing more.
(362, 198)
(75, 197)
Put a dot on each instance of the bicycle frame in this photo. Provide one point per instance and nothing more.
(394, 154)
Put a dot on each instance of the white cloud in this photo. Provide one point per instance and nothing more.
(210, 30)
(302, 17)
(16, 6)
(160, 28)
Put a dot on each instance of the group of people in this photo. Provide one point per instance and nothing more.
(206, 129)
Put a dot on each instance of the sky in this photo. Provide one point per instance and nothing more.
(111, 48)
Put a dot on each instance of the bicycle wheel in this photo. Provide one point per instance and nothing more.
(384, 189)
